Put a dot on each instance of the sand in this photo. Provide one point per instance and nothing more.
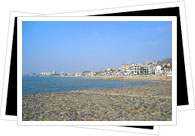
(136, 78)
(138, 103)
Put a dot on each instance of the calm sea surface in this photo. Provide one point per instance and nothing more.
(35, 85)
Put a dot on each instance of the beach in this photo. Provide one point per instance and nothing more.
(136, 103)
(136, 78)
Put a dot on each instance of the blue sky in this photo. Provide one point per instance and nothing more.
(70, 47)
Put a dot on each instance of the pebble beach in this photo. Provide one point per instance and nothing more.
(137, 103)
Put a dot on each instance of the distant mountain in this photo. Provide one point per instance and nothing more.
(161, 62)
(166, 61)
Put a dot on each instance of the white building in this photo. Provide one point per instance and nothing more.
(158, 70)
(48, 73)
(87, 73)
(137, 69)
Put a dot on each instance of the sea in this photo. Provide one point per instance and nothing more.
(36, 85)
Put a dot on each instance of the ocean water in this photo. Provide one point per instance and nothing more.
(35, 85)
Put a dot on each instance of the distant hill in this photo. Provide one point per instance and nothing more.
(166, 61)
(161, 62)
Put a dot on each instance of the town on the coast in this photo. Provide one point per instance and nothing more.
(142, 102)
(159, 68)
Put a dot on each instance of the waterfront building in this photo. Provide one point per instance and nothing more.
(62, 74)
(87, 73)
(158, 71)
(32, 74)
(137, 69)
(53, 73)
(77, 74)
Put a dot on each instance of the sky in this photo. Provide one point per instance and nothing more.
(76, 46)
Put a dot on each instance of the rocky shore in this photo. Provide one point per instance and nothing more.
(136, 78)
(138, 103)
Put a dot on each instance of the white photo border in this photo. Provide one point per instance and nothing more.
(103, 123)
(154, 131)
(180, 4)
(7, 71)
(8, 64)
(14, 14)
(129, 8)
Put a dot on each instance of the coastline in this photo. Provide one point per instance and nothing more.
(137, 103)
(135, 78)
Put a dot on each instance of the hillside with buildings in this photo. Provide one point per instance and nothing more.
(158, 67)
(162, 62)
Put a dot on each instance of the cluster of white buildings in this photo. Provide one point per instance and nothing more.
(62, 74)
(133, 69)
(53, 73)
(137, 69)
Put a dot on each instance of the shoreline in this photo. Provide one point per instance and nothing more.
(137, 103)
(130, 78)
(135, 78)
